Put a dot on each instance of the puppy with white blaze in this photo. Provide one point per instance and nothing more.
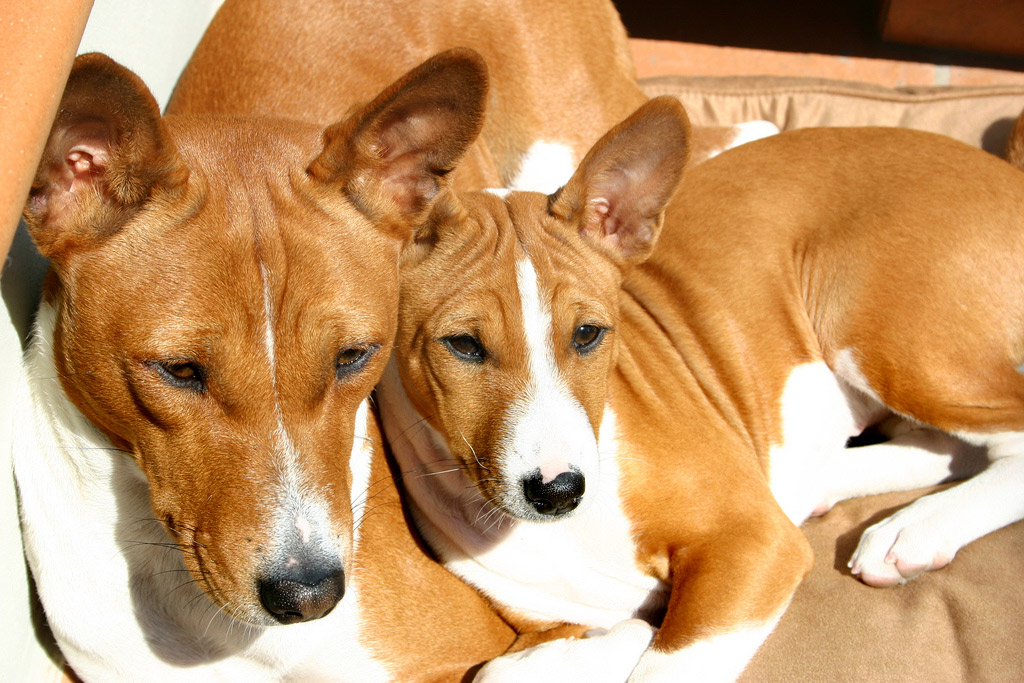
(631, 391)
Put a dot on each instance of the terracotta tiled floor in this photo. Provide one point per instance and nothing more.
(661, 57)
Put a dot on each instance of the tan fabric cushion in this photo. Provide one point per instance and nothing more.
(980, 116)
(964, 622)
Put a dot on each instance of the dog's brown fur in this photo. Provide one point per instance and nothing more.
(315, 60)
(902, 246)
(175, 242)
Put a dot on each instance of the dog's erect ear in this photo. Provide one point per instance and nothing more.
(107, 151)
(391, 156)
(617, 196)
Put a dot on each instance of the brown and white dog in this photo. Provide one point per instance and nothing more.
(630, 402)
(199, 463)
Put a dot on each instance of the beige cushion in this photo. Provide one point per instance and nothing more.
(980, 116)
(962, 623)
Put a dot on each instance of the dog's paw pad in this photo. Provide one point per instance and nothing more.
(894, 552)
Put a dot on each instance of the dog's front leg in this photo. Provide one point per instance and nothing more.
(727, 595)
(605, 657)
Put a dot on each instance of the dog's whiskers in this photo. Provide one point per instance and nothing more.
(365, 495)
(191, 536)
(190, 582)
(367, 511)
(473, 451)
(169, 545)
(206, 591)
(434, 474)
(498, 518)
(426, 469)
(218, 610)
(485, 514)
(375, 442)
(418, 423)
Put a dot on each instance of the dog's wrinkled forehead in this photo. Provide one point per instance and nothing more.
(251, 220)
(559, 254)
(238, 147)
(476, 262)
(473, 250)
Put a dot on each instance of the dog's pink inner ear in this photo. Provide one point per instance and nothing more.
(618, 195)
(412, 153)
(76, 162)
(69, 203)
(107, 152)
(392, 155)
(85, 164)
(624, 209)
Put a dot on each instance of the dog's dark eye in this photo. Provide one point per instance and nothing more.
(465, 347)
(352, 359)
(181, 373)
(586, 338)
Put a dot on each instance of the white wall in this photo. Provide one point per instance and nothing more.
(154, 38)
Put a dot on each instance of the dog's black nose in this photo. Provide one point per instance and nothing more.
(556, 497)
(302, 594)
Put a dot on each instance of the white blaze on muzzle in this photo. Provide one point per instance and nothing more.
(548, 432)
(302, 577)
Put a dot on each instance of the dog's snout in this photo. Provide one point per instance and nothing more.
(557, 496)
(302, 592)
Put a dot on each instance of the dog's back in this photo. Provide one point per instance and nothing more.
(560, 72)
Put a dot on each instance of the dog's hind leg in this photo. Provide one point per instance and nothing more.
(913, 456)
(983, 404)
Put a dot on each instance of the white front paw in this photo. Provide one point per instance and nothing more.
(903, 546)
(605, 658)
(720, 658)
